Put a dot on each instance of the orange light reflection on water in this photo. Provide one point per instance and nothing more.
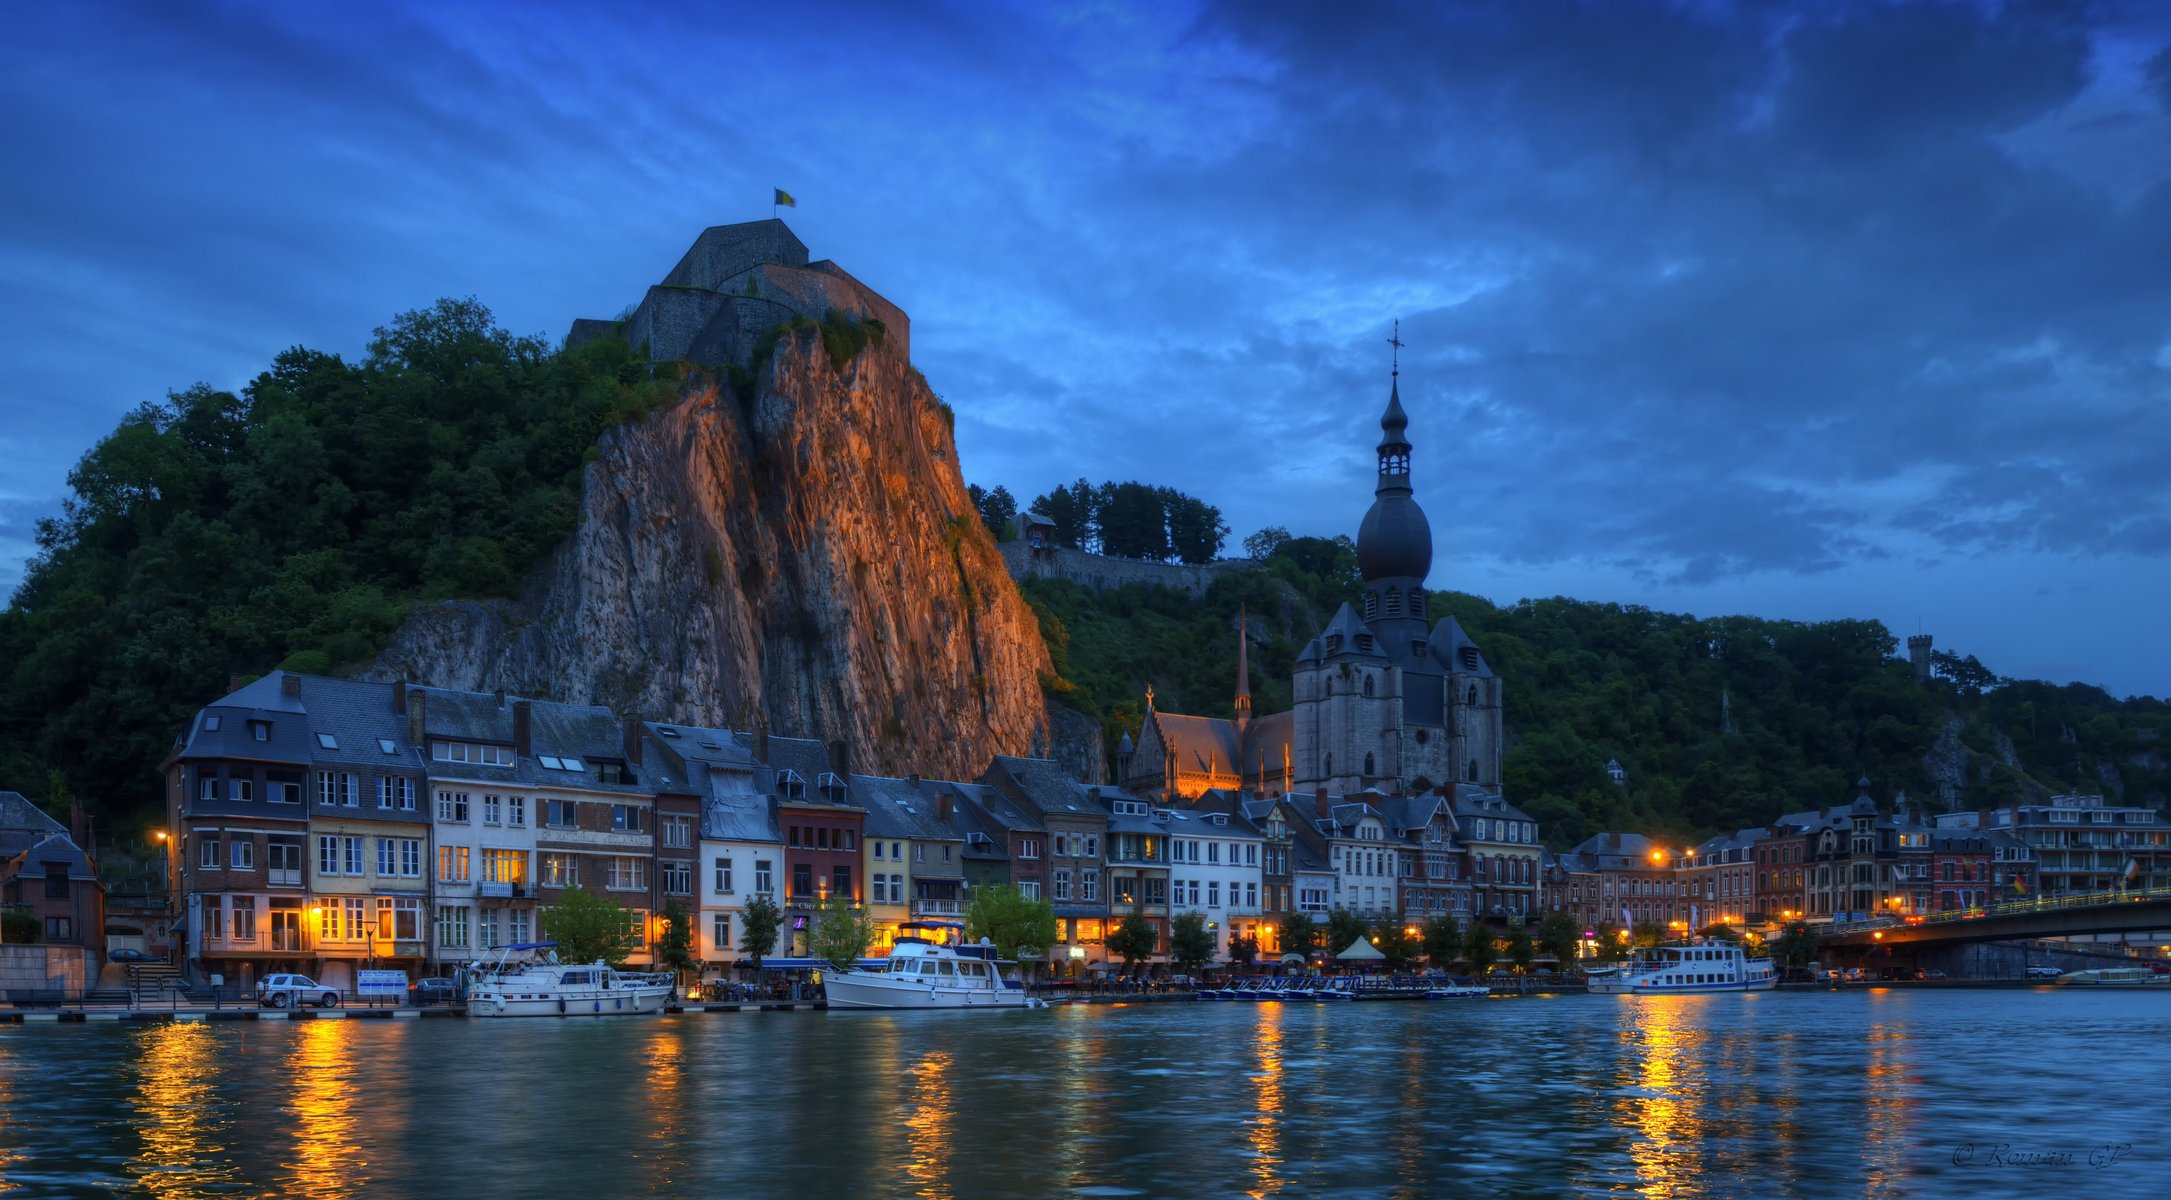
(325, 1112)
(1669, 1116)
(182, 1155)
(664, 1083)
(1267, 1105)
(929, 1128)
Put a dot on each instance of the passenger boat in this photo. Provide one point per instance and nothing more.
(536, 984)
(1688, 969)
(2115, 977)
(1458, 991)
(924, 970)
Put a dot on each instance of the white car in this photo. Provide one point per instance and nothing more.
(2044, 972)
(293, 991)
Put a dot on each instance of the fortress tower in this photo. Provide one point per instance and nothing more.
(1918, 654)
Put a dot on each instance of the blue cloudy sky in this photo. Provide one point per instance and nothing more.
(1811, 311)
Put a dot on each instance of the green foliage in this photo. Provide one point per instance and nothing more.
(1243, 951)
(675, 948)
(998, 509)
(1441, 939)
(843, 337)
(588, 927)
(1134, 520)
(1009, 919)
(1558, 936)
(1647, 934)
(1396, 945)
(1344, 929)
(212, 533)
(1797, 945)
(1479, 948)
(1134, 939)
(1299, 934)
(1190, 943)
(758, 927)
(19, 928)
(842, 931)
(1520, 951)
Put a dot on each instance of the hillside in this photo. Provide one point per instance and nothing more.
(1721, 722)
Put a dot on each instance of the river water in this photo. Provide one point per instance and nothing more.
(1776, 1094)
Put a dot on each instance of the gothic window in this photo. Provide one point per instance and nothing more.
(1473, 695)
(1472, 774)
(1328, 765)
(1368, 685)
(1368, 771)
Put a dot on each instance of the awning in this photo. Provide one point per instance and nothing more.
(1361, 951)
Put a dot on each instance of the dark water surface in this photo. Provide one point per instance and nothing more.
(1778, 1094)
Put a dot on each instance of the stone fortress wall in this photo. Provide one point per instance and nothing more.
(735, 283)
(1100, 573)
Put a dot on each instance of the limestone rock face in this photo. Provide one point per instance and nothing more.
(808, 562)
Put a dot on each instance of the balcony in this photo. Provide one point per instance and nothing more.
(504, 891)
(938, 908)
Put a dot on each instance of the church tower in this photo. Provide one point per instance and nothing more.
(1394, 544)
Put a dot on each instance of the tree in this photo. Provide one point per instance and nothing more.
(1797, 945)
(1299, 934)
(1266, 543)
(1344, 930)
(675, 949)
(1196, 532)
(1478, 948)
(758, 926)
(588, 927)
(1558, 937)
(1243, 951)
(1442, 940)
(1612, 943)
(1520, 951)
(1133, 520)
(1396, 946)
(1647, 934)
(1010, 920)
(842, 931)
(1135, 939)
(18, 928)
(1190, 943)
(1073, 511)
(997, 508)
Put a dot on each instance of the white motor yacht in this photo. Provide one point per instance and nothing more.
(1680, 970)
(927, 969)
(2115, 977)
(536, 984)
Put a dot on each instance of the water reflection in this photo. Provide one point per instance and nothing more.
(931, 1126)
(1267, 1108)
(1886, 1130)
(1667, 1116)
(8, 1157)
(663, 1081)
(182, 1147)
(325, 1111)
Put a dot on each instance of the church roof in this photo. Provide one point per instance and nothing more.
(1454, 650)
(1310, 653)
(1347, 627)
(1265, 738)
(1200, 743)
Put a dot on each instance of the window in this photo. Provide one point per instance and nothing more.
(387, 788)
(516, 811)
(678, 832)
(452, 864)
(1092, 846)
(879, 848)
(284, 858)
(624, 873)
(327, 854)
(472, 752)
(1062, 883)
(1029, 888)
(678, 879)
(559, 814)
(1089, 885)
(841, 880)
(350, 789)
(637, 928)
(560, 870)
(386, 745)
(327, 788)
(242, 789)
(260, 730)
(211, 723)
(493, 810)
(207, 787)
(452, 806)
(352, 856)
(626, 818)
(411, 858)
(504, 866)
(327, 741)
(519, 924)
(388, 856)
(452, 926)
(720, 933)
(1029, 848)
(486, 928)
(1213, 893)
(723, 876)
(802, 881)
(763, 884)
(245, 923)
(919, 852)
(241, 854)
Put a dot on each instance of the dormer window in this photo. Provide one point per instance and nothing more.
(1334, 643)
(211, 723)
(327, 741)
(1364, 643)
(790, 786)
(260, 730)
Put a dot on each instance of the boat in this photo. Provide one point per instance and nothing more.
(536, 984)
(1688, 969)
(929, 967)
(2115, 977)
(1457, 991)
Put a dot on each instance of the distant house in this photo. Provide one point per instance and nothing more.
(1037, 529)
(46, 873)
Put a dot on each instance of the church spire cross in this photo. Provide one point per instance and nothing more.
(1397, 342)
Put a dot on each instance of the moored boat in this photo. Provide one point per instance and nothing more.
(1688, 969)
(925, 971)
(536, 984)
(2115, 977)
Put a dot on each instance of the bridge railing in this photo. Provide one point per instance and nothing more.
(2005, 908)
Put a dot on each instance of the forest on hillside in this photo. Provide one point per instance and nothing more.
(1721, 722)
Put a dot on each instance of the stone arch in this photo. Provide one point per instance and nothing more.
(1473, 696)
(1367, 685)
(1369, 770)
(1471, 774)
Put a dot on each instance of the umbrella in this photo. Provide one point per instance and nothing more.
(1360, 950)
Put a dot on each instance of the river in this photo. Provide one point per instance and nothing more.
(1776, 1094)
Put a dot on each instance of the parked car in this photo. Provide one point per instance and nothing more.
(293, 991)
(127, 955)
(434, 990)
(2044, 972)
(1933, 973)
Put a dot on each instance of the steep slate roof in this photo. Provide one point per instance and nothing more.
(897, 808)
(1616, 852)
(997, 812)
(1044, 785)
(588, 732)
(53, 848)
(1472, 800)
(19, 813)
(1346, 625)
(715, 765)
(1447, 643)
(809, 760)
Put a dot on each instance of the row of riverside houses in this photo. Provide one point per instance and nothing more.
(327, 825)
(1853, 861)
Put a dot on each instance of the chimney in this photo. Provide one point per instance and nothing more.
(78, 826)
(500, 697)
(1319, 800)
(942, 807)
(234, 682)
(290, 684)
(632, 722)
(523, 735)
(761, 744)
(1982, 818)
(399, 696)
(417, 703)
(840, 759)
(914, 780)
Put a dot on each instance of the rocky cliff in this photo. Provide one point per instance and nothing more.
(803, 557)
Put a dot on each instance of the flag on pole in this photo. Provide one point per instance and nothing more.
(2020, 885)
(784, 199)
(2133, 868)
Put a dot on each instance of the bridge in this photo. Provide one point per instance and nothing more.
(2143, 915)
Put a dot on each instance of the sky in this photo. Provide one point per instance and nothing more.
(1806, 311)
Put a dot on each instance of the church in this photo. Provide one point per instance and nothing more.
(1382, 700)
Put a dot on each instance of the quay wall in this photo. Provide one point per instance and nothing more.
(38, 971)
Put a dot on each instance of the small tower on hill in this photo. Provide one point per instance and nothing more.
(1918, 655)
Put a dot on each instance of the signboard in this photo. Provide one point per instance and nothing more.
(496, 889)
(380, 983)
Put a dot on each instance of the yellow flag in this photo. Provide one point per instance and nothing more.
(784, 198)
